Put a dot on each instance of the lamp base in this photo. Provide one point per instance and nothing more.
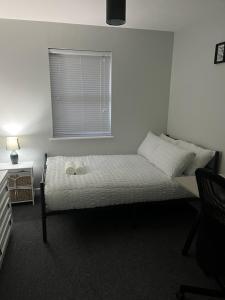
(14, 158)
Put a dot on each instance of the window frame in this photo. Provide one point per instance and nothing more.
(87, 52)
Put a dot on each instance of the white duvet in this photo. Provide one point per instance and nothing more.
(109, 180)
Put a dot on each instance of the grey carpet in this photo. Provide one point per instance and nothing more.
(100, 254)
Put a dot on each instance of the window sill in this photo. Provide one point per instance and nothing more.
(82, 138)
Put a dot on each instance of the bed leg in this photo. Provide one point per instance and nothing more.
(43, 213)
(44, 229)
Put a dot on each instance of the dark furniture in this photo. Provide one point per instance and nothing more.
(212, 166)
(210, 246)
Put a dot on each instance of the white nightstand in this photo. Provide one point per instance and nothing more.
(189, 183)
(20, 181)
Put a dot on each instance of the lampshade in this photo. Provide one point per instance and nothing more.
(116, 12)
(12, 143)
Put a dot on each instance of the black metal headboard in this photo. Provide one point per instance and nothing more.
(213, 164)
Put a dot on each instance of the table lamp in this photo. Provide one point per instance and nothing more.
(12, 143)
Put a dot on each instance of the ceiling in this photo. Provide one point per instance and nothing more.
(170, 15)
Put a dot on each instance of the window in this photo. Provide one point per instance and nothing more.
(81, 93)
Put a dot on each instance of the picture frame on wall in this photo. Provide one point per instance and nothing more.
(219, 53)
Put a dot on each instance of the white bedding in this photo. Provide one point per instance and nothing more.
(109, 180)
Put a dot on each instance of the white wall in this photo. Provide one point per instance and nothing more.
(197, 98)
(140, 85)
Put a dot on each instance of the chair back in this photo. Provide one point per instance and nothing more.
(211, 238)
(212, 194)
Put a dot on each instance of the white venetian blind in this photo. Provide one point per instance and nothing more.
(81, 93)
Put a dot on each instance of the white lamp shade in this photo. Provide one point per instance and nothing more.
(12, 143)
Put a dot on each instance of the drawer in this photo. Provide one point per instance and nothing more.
(4, 211)
(5, 219)
(20, 195)
(19, 180)
(2, 183)
(4, 240)
(24, 181)
(3, 189)
(3, 202)
(5, 230)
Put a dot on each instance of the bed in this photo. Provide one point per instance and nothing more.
(112, 180)
(108, 180)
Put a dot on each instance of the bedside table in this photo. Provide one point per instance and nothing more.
(189, 183)
(20, 181)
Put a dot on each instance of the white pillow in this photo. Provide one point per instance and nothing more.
(169, 158)
(168, 139)
(202, 156)
(149, 145)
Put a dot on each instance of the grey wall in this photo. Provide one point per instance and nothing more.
(197, 98)
(140, 85)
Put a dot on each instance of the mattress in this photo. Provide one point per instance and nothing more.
(108, 180)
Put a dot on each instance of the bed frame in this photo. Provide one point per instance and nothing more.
(213, 166)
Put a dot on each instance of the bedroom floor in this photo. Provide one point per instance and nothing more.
(103, 254)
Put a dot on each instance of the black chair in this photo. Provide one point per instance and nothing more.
(210, 244)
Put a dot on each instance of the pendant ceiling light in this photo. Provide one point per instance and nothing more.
(116, 12)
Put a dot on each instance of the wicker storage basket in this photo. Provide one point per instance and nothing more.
(21, 195)
(12, 194)
(23, 181)
(17, 181)
(12, 181)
